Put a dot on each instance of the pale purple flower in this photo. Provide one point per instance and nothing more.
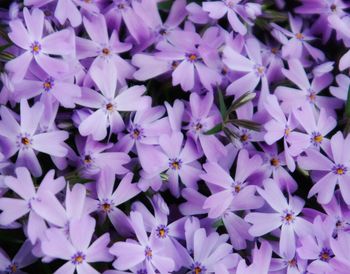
(104, 48)
(296, 41)
(77, 250)
(23, 258)
(144, 250)
(341, 249)
(336, 169)
(108, 103)
(293, 98)
(254, 67)
(285, 215)
(341, 91)
(23, 186)
(38, 47)
(25, 139)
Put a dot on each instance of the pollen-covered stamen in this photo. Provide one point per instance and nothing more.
(288, 217)
(287, 131)
(110, 107)
(24, 141)
(325, 254)
(136, 132)
(274, 50)
(162, 231)
(11, 268)
(148, 253)
(274, 162)
(198, 268)
(311, 96)
(192, 57)
(316, 138)
(236, 187)
(333, 8)
(245, 136)
(106, 51)
(260, 70)
(78, 258)
(293, 262)
(87, 159)
(35, 48)
(230, 4)
(339, 169)
(299, 36)
(106, 205)
(48, 84)
(175, 163)
(163, 32)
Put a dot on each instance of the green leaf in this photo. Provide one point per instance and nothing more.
(246, 124)
(223, 109)
(347, 106)
(166, 6)
(164, 177)
(6, 56)
(218, 223)
(245, 98)
(214, 130)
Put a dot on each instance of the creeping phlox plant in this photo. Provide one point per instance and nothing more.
(174, 136)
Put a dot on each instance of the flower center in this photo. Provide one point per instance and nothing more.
(148, 253)
(78, 258)
(288, 217)
(230, 4)
(162, 231)
(12, 268)
(136, 132)
(260, 70)
(24, 141)
(175, 163)
(293, 262)
(274, 162)
(106, 205)
(325, 254)
(163, 32)
(35, 48)
(287, 131)
(110, 107)
(106, 51)
(316, 138)
(333, 8)
(87, 159)
(299, 36)
(339, 169)
(274, 50)
(174, 65)
(197, 268)
(244, 137)
(192, 57)
(48, 84)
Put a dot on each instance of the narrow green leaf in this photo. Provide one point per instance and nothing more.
(223, 109)
(245, 98)
(347, 106)
(246, 124)
(218, 223)
(166, 6)
(214, 130)
(6, 56)
(164, 177)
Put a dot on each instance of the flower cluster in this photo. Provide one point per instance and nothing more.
(152, 136)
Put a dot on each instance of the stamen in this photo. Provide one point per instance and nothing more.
(162, 231)
(299, 36)
(288, 217)
(35, 48)
(192, 57)
(106, 51)
(198, 268)
(274, 162)
(325, 254)
(78, 258)
(48, 84)
(148, 253)
(175, 163)
(339, 169)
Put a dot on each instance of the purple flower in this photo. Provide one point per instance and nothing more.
(13, 208)
(235, 10)
(103, 48)
(285, 215)
(172, 158)
(335, 168)
(39, 48)
(298, 41)
(144, 250)
(22, 259)
(77, 250)
(254, 67)
(307, 93)
(25, 139)
(108, 103)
